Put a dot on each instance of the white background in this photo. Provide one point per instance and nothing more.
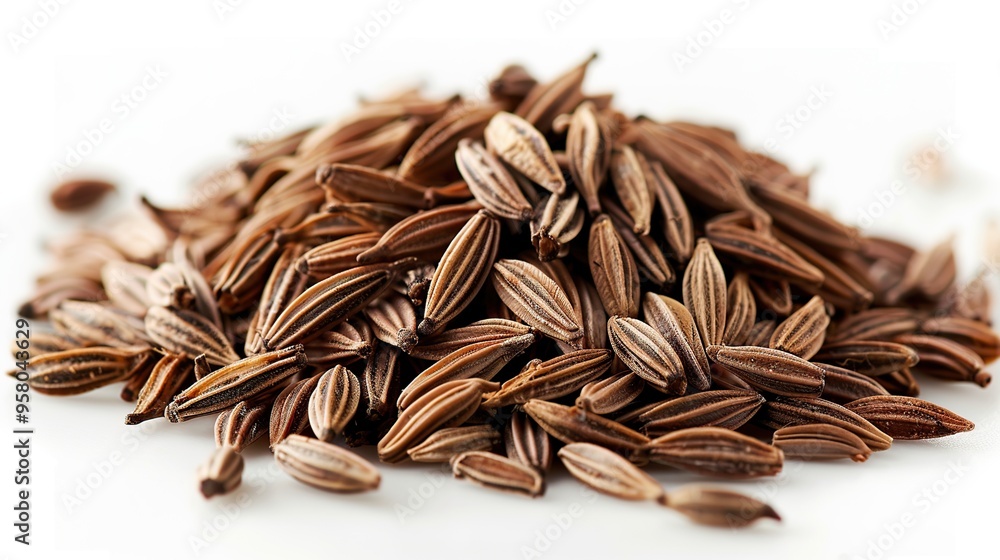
(892, 85)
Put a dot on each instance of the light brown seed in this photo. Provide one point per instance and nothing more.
(784, 411)
(222, 474)
(611, 393)
(647, 354)
(347, 342)
(588, 145)
(97, 324)
(527, 442)
(325, 466)
(909, 418)
(461, 273)
(71, 372)
(704, 291)
(336, 256)
(728, 409)
(820, 442)
(613, 269)
(444, 444)
(570, 424)
(803, 332)
(186, 332)
(498, 473)
(290, 414)
(718, 507)
(557, 222)
(552, 378)
(536, 299)
(675, 323)
(741, 310)
(629, 181)
(608, 472)
(333, 403)
(716, 452)
(491, 183)
(522, 146)
(393, 320)
(169, 375)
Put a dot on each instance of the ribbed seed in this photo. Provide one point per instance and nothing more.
(869, 357)
(241, 380)
(490, 182)
(716, 452)
(552, 378)
(498, 473)
(336, 256)
(883, 323)
(772, 295)
(345, 343)
(242, 277)
(718, 507)
(594, 319)
(771, 370)
(648, 257)
(527, 442)
(741, 310)
(820, 442)
(761, 332)
(222, 474)
(763, 253)
(357, 183)
(909, 418)
(440, 345)
(608, 472)
(285, 284)
(444, 444)
(647, 354)
(611, 393)
(393, 320)
(630, 183)
(380, 382)
(704, 292)
(241, 425)
(186, 332)
(536, 299)
(678, 229)
(96, 324)
(728, 409)
(975, 335)
(570, 424)
(420, 233)
(290, 414)
(482, 360)
(325, 466)
(333, 402)
(71, 372)
(330, 302)
(171, 373)
(675, 323)
(804, 331)
(945, 358)
(613, 268)
(546, 101)
(783, 411)
(844, 385)
(522, 146)
(588, 145)
(433, 152)
(447, 405)
(461, 273)
(557, 222)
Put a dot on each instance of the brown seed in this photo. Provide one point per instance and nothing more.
(762, 253)
(499, 473)
(167, 378)
(843, 385)
(333, 403)
(728, 409)
(461, 273)
(882, 323)
(704, 291)
(491, 183)
(325, 466)
(647, 354)
(945, 358)
(629, 181)
(444, 444)
(650, 259)
(613, 269)
(820, 442)
(336, 256)
(241, 425)
(718, 507)
(611, 393)
(222, 474)
(357, 183)
(784, 411)
(716, 452)
(520, 145)
(557, 222)
(803, 332)
(771, 370)
(380, 382)
(741, 311)
(527, 442)
(975, 335)
(870, 357)
(290, 414)
(678, 229)
(393, 319)
(571, 424)
(421, 233)
(551, 379)
(347, 342)
(188, 333)
(909, 418)
(71, 372)
(608, 472)
(440, 345)
(80, 194)
(673, 320)
(588, 145)
(536, 299)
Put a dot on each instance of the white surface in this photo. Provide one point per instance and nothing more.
(226, 76)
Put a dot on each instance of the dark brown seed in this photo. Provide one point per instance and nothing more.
(81, 194)
(570, 424)
(444, 444)
(491, 183)
(771, 370)
(784, 411)
(673, 320)
(647, 354)
(167, 378)
(527, 442)
(716, 452)
(290, 414)
(741, 311)
(611, 393)
(945, 358)
(975, 335)
(909, 418)
(870, 357)
(804, 331)
(333, 403)
(499, 473)
(325, 466)
(536, 299)
(608, 472)
(704, 291)
(439, 346)
(843, 385)
(820, 442)
(551, 379)
(722, 408)
(718, 507)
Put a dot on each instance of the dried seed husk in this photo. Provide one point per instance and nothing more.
(613, 269)
(820, 442)
(290, 414)
(440, 345)
(785, 411)
(482, 360)
(536, 299)
(869, 357)
(284, 285)
(97, 324)
(843, 385)
(646, 250)
(498, 473)
(347, 342)
(522, 146)
(716, 452)
(704, 291)
(325, 466)
(125, 284)
(241, 425)
(794, 215)
(838, 286)
(240, 280)
(527, 442)
(186, 332)
(393, 320)
(336, 256)
(444, 444)
(647, 354)
(490, 182)
(763, 253)
(909, 418)
(728, 409)
(718, 507)
(557, 222)
(629, 181)
(804, 331)
(71, 372)
(741, 310)
(588, 145)
(239, 381)
(380, 382)
(167, 378)
(545, 101)
(421, 233)
(608, 472)
(461, 273)
(333, 402)
(675, 323)
(432, 154)
(552, 378)
(946, 359)
(222, 474)
(445, 406)
(570, 424)
(611, 393)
